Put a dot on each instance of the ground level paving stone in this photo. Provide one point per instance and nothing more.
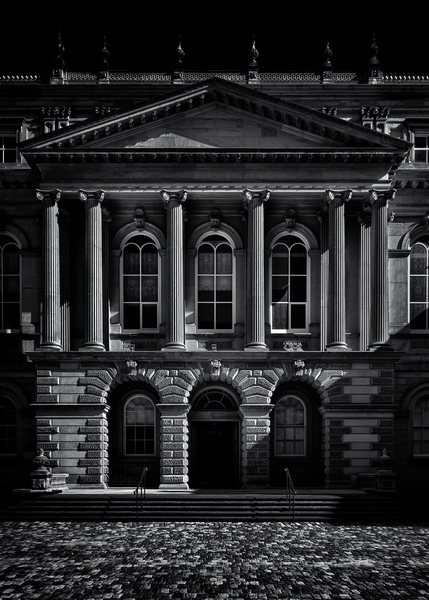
(216, 561)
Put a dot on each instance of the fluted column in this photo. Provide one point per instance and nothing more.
(51, 314)
(173, 202)
(94, 270)
(64, 218)
(254, 202)
(337, 270)
(364, 219)
(324, 278)
(380, 282)
(106, 218)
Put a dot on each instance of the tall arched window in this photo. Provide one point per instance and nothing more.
(290, 427)
(289, 285)
(421, 427)
(419, 285)
(10, 283)
(215, 284)
(139, 425)
(8, 430)
(140, 284)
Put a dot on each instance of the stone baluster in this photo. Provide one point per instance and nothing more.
(173, 202)
(51, 314)
(380, 282)
(335, 201)
(94, 270)
(254, 202)
(364, 219)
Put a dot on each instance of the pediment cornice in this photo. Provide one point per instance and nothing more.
(229, 95)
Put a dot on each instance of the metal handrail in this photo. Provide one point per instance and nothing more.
(290, 492)
(141, 485)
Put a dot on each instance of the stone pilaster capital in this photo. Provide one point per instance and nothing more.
(339, 195)
(384, 196)
(85, 195)
(177, 196)
(43, 195)
(261, 195)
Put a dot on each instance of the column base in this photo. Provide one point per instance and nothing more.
(91, 347)
(173, 487)
(337, 347)
(174, 346)
(380, 346)
(256, 347)
(51, 347)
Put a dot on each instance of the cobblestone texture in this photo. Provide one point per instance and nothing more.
(89, 561)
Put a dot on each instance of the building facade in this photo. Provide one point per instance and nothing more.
(215, 275)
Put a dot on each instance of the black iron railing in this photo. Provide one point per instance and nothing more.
(290, 493)
(140, 491)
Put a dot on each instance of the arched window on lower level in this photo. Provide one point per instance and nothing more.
(8, 428)
(421, 427)
(419, 285)
(290, 427)
(139, 426)
(10, 283)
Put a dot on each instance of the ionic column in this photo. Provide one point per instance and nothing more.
(51, 314)
(337, 270)
(64, 218)
(173, 202)
(106, 218)
(380, 282)
(94, 270)
(364, 219)
(254, 202)
(324, 277)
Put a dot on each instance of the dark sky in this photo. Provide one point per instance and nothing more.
(214, 35)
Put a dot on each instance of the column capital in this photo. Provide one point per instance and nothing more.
(363, 217)
(48, 195)
(177, 196)
(249, 195)
(341, 195)
(85, 195)
(383, 195)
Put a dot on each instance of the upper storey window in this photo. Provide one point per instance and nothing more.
(10, 283)
(421, 148)
(419, 285)
(140, 284)
(215, 284)
(421, 427)
(289, 285)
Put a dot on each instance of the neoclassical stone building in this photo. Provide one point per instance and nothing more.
(214, 275)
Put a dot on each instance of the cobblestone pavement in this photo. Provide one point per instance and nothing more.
(213, 561)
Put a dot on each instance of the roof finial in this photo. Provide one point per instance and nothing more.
(253, 55)
(58, 64)
(103, 68)
(373, 52)
(327, 64)
(180, 55)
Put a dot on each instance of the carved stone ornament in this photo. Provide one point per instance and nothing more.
(178, 196)
(262, 195)
(390, 217)
(331, 195)
(215, 218)
(292, 346)
(131, 367)
(299, 366)
(215, 366)
(85, 195)
(45, 194)
(40, 460)
(139, 218)
(290, 219)
(386, 195)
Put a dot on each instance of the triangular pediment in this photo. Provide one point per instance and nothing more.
(215, 115)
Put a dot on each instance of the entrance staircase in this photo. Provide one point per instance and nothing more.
(223, 506)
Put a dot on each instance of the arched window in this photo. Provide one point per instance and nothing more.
(215, 399)
(289, 285)
(8, 429)
(419, 285)
(215, 284)
(139, 425)
(290, 427)
(421, 427)
(140, 284)
(10, 283)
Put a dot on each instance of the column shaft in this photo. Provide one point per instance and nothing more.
(324, 279)
(51, 315)
(94, 270)
(364, 281)
(175, 263)
(256, 280)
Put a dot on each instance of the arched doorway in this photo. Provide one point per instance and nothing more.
(296, 436)
(214, 440)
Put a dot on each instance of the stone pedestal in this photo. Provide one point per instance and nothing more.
(174, 446)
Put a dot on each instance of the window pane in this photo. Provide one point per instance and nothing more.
(205, 316)
(224, 289)
(418, 289)
(150, 318)
(298, 260)
(280, 259)
(280, 316)
(10, 260)
(206, 259)
(297, 316)
(150, 259)
(11, 288)
(149, 289)
(205, 289)
(298, 288)
(418, 260)
(418, 316)
(223, 259)
(131, 259)
(420, 141)
(11, 316)
(131, 289)
(223, 316)
(131, 316)
(280, 289)
(420, 155)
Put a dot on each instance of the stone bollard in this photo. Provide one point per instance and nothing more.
(385, 477)
(41, 476)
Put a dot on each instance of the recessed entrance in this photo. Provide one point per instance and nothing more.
(214, 454)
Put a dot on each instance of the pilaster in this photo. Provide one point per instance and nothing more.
(51, 314)
(254, 202)
(173, 202)
(255, 444)
(94, 270)
(174, 446)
